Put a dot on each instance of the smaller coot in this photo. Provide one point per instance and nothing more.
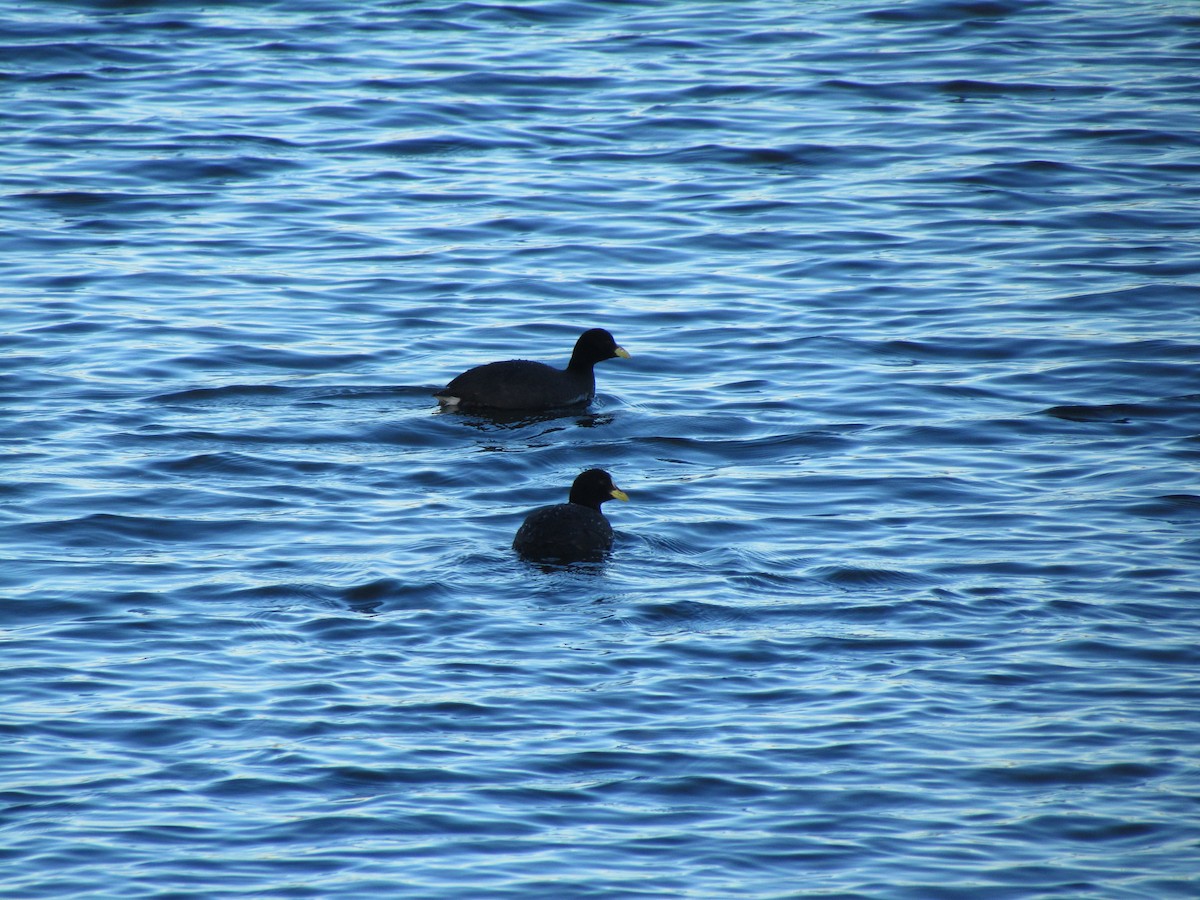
(522, 384)
(575, 531)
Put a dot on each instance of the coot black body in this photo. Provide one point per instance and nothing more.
(520, 384)
(575, 531)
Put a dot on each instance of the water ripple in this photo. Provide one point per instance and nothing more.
(910, 435)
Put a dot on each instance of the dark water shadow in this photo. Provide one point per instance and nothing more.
(515, 420)
(584, 568)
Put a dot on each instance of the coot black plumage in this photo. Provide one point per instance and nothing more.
(522, 384)
(575, 531)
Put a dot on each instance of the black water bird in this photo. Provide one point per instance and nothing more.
(575, 531)
(522, 384)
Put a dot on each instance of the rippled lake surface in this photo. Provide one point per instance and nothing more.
(904, 601)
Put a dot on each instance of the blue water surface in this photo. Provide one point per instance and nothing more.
(904, 601)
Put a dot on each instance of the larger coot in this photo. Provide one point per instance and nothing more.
(575, 531)
(522, 384)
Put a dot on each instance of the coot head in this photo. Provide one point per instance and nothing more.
(595, 345)
(593, 487)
